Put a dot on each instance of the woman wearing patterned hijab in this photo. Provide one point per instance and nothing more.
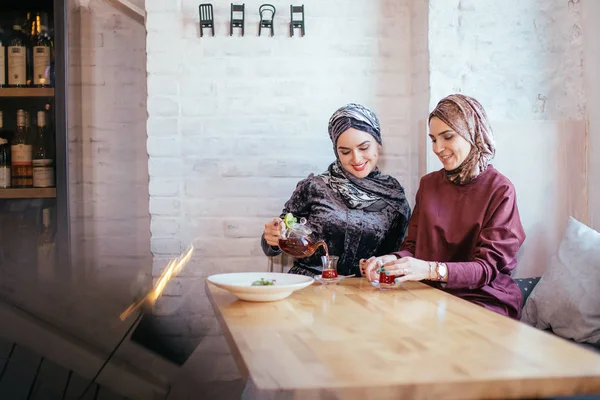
(353, 207)
(465, 231)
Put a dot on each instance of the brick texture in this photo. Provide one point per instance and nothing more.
(522, 59)
(419, 55)
(107, 145)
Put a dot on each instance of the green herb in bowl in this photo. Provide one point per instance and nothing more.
(263, 282)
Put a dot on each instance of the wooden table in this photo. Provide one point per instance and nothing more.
(352, 341)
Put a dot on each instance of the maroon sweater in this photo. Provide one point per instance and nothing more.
(476, 230)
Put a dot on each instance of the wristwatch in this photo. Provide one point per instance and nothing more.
(441, 271)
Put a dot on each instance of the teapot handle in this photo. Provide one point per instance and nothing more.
(283, 234)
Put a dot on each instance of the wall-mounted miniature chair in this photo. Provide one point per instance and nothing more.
(238, 9)
(206, 18)
(267, 15)
(297, 11)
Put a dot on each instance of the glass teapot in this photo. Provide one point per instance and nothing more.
(296, 238)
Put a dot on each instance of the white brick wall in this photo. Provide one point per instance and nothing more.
(521, 59)
(235, 122)
(420, 86)
(108, 167)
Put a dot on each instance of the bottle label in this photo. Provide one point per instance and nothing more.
(41, 62)
(43, 173)
(4, 177)
(2, 66)
(16, 65)
(41, 118)
(21, 154)
(20, 118)
(22, 176)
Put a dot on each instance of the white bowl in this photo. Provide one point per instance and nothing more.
(240, 285)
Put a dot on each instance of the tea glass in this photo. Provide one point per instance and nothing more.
(329, 267)
(384, 281)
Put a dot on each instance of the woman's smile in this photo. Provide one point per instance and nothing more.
(359, 167)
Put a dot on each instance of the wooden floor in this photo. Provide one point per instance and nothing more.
(25, 375)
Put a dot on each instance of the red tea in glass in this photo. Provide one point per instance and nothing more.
(383, 278)
(329, 274)
(329, 264)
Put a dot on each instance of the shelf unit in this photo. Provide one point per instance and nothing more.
(30, 193)
(26, 92)
(13, 200)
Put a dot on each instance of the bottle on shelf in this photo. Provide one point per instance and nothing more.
(5, 165)
(2, 58)
(46, 248)
(51, 128)
(42, 162)
(22, 172)
(41, 58)
(29, 32)
(17, 58)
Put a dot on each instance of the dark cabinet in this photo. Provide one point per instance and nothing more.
(34, 209)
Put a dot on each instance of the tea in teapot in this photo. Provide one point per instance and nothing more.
(296, 239)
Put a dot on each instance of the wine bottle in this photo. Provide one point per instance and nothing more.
(5, 165)
(2, 58)
(17, 58)
(41, 59)
(43, 164)
(22, 173)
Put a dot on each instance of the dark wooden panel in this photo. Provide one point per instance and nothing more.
(19, 374)
(61, 46)
(50, 383)
(5, 349)
(106, 394)
(76, 386)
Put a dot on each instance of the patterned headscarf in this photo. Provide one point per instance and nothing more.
(465, 116)
(375, 191)
(353, 116)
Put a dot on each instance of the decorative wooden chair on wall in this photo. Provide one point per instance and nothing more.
(267, 15)
(206, 18)
(237, 22)
(296, 23)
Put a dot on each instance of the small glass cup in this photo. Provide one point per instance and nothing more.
(329, 267)
(384, 281)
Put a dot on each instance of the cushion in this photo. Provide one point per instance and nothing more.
(526, 285)
(567, 297)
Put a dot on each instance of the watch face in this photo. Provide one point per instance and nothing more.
(443, 270)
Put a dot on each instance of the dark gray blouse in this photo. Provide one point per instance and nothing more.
(350, 234)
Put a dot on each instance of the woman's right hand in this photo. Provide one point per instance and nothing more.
(273, 231)
(370, 267)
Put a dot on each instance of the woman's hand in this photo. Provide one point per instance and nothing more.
(408, 269)
(272, 231)
(370, 268)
